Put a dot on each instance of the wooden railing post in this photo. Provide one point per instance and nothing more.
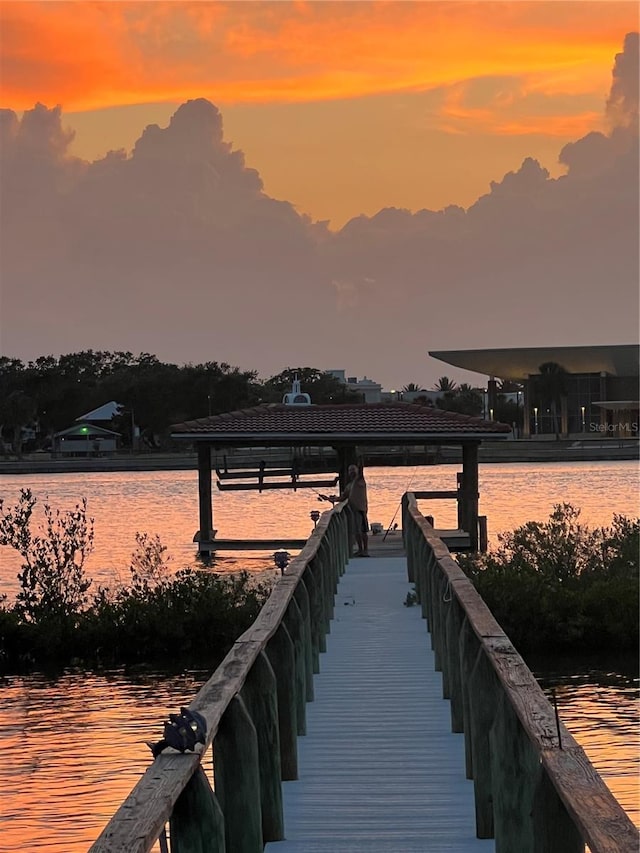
(295, 627)
(515, 772)
(281, 654)
(302, 597)
(315, 616)
(468, 646)
(483, 695)
(197, 822)
(237, 779)
(553, 829)
(319, 606)
(260, 695)
(454, 621)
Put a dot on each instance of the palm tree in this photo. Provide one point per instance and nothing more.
(411, 387)
(446, 385)
(552, 388)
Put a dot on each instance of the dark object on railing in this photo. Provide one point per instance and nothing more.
(281, 559)
(182, 732)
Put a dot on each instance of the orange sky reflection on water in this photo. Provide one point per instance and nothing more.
(73, 749)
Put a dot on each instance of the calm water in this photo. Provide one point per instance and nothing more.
(74, 746)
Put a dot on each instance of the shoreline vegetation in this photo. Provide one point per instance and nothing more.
(559, 586)
(555, 587)
(160, 617)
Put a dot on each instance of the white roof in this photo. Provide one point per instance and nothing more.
(103, 413)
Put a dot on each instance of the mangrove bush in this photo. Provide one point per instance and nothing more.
(159, 617)
(559, 585)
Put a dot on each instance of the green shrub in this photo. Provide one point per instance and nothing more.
(559, 585)
(158, 618)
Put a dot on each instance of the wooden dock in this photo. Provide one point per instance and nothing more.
(329, 731)
(380, 770)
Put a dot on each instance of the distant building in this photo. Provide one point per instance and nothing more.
(85, 439)
(602, 385)
(370, 390)
(103, 413)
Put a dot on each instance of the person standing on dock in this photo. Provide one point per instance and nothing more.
(355, 493)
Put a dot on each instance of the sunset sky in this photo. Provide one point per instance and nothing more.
(343, 110)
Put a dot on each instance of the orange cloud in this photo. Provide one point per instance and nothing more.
(95, 54)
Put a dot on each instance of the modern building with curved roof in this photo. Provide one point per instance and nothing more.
(601, 384)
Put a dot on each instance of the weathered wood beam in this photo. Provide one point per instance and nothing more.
(261, 487)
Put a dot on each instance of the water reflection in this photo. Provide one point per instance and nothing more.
(73, 747)
(166, 503)
(601, 708)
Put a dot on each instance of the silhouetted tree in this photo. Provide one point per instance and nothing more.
(551, 386)
(17, 410)
(445, 385)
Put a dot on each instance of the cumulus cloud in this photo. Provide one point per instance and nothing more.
(622, 105)
(175, 248)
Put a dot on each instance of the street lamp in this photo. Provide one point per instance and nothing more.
(535, 419)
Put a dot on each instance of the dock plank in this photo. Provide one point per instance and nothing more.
(380, 770)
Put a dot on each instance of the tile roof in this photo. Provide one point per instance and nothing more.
(359, 420)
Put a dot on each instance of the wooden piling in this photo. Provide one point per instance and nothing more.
(197, 822)
(281, 654)
(237, 779)
(260, 695)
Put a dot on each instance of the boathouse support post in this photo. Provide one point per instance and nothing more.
(197, 822)
(237, 779)
(260, 695)
(470, 492)
(281, 654)
(205, 505)
(347, 455)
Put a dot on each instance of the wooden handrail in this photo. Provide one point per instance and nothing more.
(254, 708)
(535, 788)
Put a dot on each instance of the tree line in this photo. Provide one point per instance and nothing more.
(47, 395)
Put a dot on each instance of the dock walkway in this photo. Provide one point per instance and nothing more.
(380, 770)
